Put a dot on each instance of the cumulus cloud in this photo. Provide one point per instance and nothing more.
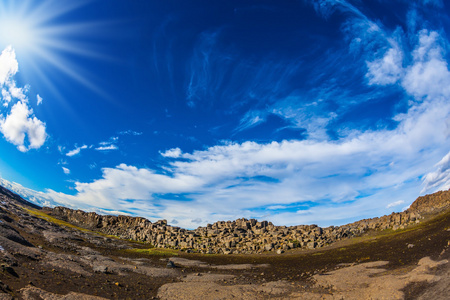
(429, 75)
(172, 153)
(76, 151)
(66, 170)
(8, 65)
(21, 123)
(8, 68)
(19, 127)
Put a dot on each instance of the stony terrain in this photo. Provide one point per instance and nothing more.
(242, 235)
(44, 257)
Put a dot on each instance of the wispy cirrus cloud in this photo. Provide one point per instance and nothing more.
(396, 203)
(107, 148)
(108, 145)
(130, 132)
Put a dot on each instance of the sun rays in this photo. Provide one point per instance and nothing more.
(46, 38)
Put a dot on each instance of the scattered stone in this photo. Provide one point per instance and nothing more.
(170, 264)
(100, 269)
(410, 246)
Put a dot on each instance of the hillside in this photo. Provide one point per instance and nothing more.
(65, 254)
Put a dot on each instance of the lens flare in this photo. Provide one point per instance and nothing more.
(44, 41)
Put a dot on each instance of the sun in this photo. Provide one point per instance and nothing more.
(43, 39)
(16, 33)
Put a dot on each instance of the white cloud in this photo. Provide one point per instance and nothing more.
(130, 132)
(19, 124)
(252, 119)
(107, 148)
(396, 203)
(39, 99)
(310, 116)
(11, 91)
(388, 69)
(108, 145)
(172, 153)
(8, 65)
(8, 68)
(276, 207)
(61, 149)
(439, 179)
(76, 151)
(66, 170)
(429, 75)
(112, 140)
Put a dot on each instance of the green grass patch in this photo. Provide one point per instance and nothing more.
(53, 220)
(154, 251)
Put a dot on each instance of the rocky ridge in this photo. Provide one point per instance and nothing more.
(247, 236)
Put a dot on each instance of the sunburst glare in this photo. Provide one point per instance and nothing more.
(43, 39)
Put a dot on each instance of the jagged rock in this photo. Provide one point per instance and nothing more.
(246, 236)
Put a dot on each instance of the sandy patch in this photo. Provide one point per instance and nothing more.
(202, 289)
(32, 293)
(370, 281)
(179, 261)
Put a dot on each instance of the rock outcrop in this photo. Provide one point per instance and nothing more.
(430, 204)
(247, 236)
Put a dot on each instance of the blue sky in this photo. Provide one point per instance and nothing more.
(295, 112)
